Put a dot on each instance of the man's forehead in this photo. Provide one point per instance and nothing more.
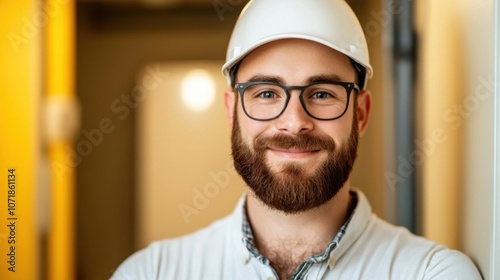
(307, 46)
(295, 61)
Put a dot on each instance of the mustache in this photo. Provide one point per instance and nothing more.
(301, 142)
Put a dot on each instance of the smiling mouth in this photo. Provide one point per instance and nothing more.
(293, 153)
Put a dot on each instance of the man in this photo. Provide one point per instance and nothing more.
(297, 105)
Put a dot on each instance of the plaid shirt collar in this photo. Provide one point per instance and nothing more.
(302, 270)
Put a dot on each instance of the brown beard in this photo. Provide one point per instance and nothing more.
(292, 190)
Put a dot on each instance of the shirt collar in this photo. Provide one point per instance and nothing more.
(348, 233)
(248, 239)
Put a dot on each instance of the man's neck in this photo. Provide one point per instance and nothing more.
(289, 239)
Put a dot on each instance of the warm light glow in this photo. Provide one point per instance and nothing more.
(198, 90)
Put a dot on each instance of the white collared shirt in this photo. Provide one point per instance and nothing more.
(370, 249)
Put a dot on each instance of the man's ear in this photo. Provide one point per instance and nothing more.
(363, 110)
(229, 103)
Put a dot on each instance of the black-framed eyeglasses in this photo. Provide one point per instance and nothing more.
(264, 101)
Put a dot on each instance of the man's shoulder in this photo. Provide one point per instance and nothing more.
(177, 254)
(195, 242)
(367, 232)
(397, 251)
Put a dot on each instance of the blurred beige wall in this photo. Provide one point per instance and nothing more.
(456, 119)
(381, 162)
(185, 174)
(372, 153)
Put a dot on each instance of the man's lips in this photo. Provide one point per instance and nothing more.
(293, 153)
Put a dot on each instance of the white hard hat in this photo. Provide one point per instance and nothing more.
(328, 22)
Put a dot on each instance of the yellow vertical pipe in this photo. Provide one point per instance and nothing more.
(60, 85)
(19, 102)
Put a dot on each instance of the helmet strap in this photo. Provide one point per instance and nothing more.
(360, 72)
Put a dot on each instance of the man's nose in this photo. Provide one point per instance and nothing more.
(294, 119)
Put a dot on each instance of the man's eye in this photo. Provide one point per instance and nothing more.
(321, 95)
(267, 94)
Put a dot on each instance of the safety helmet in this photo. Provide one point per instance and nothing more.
(328, 22)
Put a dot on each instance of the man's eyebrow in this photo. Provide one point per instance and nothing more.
(312, 79)
(266, 78)
(324, 78)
